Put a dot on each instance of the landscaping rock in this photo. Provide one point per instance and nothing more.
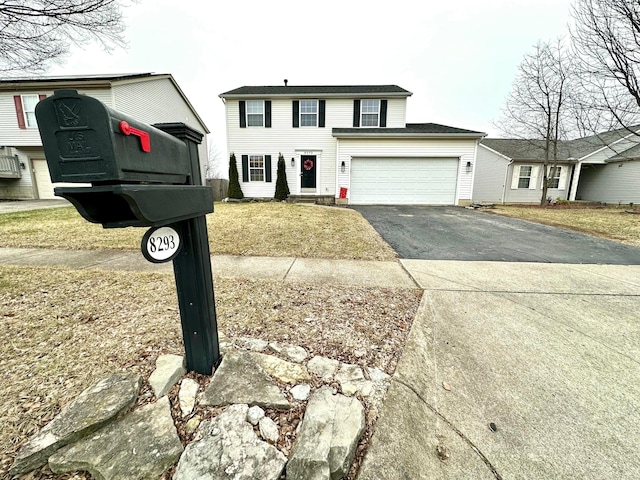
(192, 424)
(328, 437)
(291, 352)
(281, 369)
(253, 344)
(187, 395)
(323, 367)
(300, 392)
(254, 415)
(169, 369)
(239, 379)
(268, 429)
(91, 410)
(377, 375)
(230, 449)
(352, 380)
(141, 445)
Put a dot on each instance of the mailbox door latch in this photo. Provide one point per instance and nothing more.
(127, 129)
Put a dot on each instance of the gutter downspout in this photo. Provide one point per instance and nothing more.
(506, 176)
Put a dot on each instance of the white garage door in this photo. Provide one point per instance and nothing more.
(417, 181)
(43, 180)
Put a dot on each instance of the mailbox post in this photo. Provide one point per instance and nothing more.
(141, 176)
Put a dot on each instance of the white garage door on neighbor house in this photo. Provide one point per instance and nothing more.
(414, 181)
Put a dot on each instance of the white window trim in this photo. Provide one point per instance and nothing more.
(247, 113)
(362, 114)
(562, 178)
(316, 115)
(264, 173)
(533, 179)
(24, 110)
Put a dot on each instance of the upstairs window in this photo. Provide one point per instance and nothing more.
(255, 113)
(370, 113)
(308, 113)
(26, 109)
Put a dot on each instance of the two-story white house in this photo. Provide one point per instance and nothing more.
(346, 144)
(147, 97)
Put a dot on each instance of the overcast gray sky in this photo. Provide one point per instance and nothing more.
(458, 57)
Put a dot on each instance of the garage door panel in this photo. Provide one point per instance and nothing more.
(427, 181)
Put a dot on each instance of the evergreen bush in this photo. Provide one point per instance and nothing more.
(234, 184)
(282, 188)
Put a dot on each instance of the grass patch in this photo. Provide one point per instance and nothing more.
(263, 229)
(62, 329)
(613, 223)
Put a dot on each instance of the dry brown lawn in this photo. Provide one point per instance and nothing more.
(62, 329)
(262, 229)
(614, 223)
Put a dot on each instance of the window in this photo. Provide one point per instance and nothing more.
(255, 113)
(524, 178)
(308, 113)
(370, 113)
(29, 109)
(256, 168)
(553, 181)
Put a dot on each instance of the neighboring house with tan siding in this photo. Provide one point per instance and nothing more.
(601, 168)
(147, 97)
(348, 141)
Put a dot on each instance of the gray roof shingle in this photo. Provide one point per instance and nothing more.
(415, 129)
(315, 90)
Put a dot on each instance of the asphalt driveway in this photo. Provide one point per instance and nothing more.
(456, 233)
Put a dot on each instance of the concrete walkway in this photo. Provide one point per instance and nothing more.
(511, 370)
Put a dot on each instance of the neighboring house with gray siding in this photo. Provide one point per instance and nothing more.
(346, 144)
(147, 97)
(603, 167)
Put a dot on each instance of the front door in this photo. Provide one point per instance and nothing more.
(308, 171)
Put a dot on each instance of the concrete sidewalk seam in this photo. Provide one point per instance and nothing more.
(289, 269)
(482, 456)
(399, 260)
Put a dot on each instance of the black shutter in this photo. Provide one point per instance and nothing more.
(267, 113)
(243, 115)
(296, 113)
(356, 113)
(321, 109)
(245, 168)
(383, 113)
(267, 168)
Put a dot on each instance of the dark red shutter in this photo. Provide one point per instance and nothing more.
(296, 113)
(267, 168)
(245, 168)
(42, 96)
(383, 113)
(321, 109)
(19, 111)
(356, 113)
(243, 114)
(267, 113)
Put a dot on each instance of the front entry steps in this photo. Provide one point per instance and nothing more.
(312, 199)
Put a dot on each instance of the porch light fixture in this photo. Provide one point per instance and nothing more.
(342, 166)
(293, 162)
(468, 167)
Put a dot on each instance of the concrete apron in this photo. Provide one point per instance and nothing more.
(515, 371)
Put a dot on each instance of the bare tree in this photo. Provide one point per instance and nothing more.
(216, 166)
(34, 33)
(538, 106)
(606, 40)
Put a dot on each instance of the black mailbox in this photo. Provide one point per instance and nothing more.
(140, 175)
